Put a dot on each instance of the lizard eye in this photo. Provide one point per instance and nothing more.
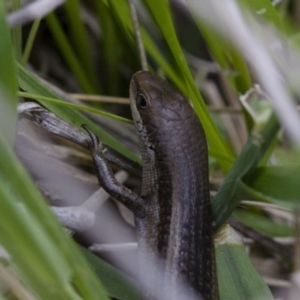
(141, 101)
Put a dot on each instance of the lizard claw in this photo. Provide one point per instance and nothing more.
(94, 143)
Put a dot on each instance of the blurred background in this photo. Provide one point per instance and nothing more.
(237, 62)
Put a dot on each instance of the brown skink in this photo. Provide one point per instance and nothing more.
(173, 213)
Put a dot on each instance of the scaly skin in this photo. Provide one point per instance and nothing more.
(173, 214)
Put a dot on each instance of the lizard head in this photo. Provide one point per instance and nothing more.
(157, 107)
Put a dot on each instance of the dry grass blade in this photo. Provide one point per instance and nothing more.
(229, 18)
(36, 10)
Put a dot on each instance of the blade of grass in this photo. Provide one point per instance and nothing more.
(122, 14)
(267, 11)
(76, 106)
(38, 251)
(161, 11)
(263, 224)
(285, 193)
(8, 81)
(227, 198)
(17, 33)
(227, 57)
(186, 83)
(111, 48)
(241, 28)
(236, 275)
(68, 54)
(33, 85)
(279, 182)
(80, 40)
(118, 285)
(27, 221)
(30, 40)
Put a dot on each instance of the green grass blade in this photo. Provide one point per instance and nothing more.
(44, 262)
(112, 43)
(117, 284)
(236, 275)
(227, 198)
(161, 12)
(228, 58)
(19, 227)
(68, 54)
(183, 81)
(247, 192)
(31, 84)
(121, 11)
(76, 106)
(263, 224)
(270, 14)
(278, 182)
(79, 37)
(8, 81)
(30, 40)
(16, 32)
